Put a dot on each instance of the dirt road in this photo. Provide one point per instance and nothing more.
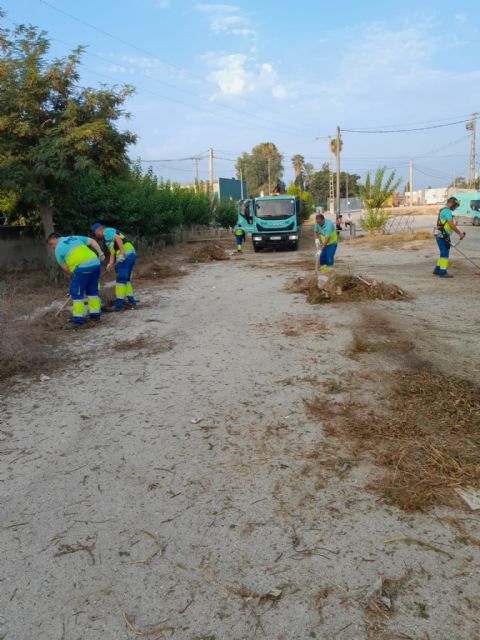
(167, 487)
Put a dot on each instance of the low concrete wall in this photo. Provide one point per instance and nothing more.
(21, 250)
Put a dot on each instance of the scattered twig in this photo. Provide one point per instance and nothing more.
(64, 549)
(145, 634)
(421, 543)
(462, 528)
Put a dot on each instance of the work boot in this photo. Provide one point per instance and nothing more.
(436, 271)
(445, 275)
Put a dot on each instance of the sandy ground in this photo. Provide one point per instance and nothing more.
(175, 484)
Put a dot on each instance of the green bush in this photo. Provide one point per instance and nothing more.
(374, 220)
(225, 213)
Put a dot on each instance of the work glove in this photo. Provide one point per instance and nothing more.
(109, 266)
(317, 243)
(120, 258)
(102, 257)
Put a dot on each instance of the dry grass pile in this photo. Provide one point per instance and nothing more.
(428, 441)
(146, 343)
(208, 253)
(390, 240)
(26, 344)
(346, 288)
(157, 270)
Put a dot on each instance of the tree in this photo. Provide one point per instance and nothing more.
(319, 185)
(458, 183)
(309, 173)
(298, 162)
(333, 145)
(306, 200)
(262, 168)
(376, 195)
(53, 133)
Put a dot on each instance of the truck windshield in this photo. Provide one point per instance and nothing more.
(275, 209)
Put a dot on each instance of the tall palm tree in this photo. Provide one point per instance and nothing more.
(298, 162)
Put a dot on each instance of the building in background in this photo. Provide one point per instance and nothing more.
(230, 189)
(435, 196)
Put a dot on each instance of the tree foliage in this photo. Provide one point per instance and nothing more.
(264, 162)
(306, 199)
(298, 163)
(53, 133)
(375, 195)
(319, 184)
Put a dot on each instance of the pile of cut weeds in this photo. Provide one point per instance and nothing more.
(157, 270)
(208, 253)
(428, 443)
(345, 288)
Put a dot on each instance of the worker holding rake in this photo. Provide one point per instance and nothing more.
(123, 256)
(75, 256)
(445, 226)
(325, 241)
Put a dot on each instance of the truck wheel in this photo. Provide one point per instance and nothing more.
(476, 221)
(255, 248)
(293, 246)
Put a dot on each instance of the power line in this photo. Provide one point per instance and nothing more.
(167, 63)
(436, 126)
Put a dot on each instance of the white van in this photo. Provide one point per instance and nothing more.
(469, 206)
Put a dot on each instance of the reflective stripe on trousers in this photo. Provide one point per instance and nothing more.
(123, 286)
(84, 282)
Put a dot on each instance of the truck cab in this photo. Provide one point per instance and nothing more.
(469, 206)
(276, 222)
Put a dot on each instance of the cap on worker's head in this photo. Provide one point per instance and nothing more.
(95, 226)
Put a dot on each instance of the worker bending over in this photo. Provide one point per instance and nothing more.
(74, 255)
(122, 254)
(326, 241)
(239, 234)
(445, 226)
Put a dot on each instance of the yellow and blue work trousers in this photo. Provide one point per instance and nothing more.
(239, 238)
(327, 257)
(84, 282)
(442, 262)
(123, 286)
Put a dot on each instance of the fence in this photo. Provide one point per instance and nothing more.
(21, 250)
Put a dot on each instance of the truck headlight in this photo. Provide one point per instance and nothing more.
(293, 237)
(257, 238)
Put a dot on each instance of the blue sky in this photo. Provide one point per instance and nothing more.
(231, 75)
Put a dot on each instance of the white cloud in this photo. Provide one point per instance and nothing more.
(226, 19)
(237, 74)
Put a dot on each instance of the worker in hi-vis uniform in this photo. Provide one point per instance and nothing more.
(325, 241)
(123, 255)
(445, 226)
(239, 234)
(75, 256)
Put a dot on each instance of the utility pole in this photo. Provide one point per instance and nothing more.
(411, 183)
(346, 189)
(331, 185)
(241, 184)
(195, 165)
(337, 150)
(210, 171)
(472, 168)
